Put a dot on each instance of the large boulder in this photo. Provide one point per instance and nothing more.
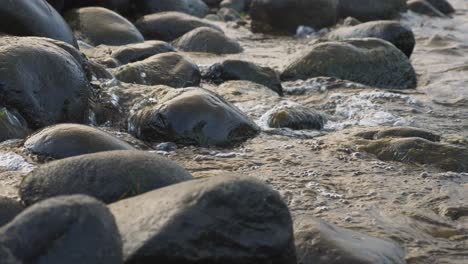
(34, 18)
(219, 220)
(285, 16)
(192, 7)
(169, 26)
(108, 176)
(319, 242)
(9, 209)
(69, 229)
(97, 25)
(369, 61)
(171, 69)
(68, 140)
(207, 40)
(368, 10)
(43, 80)
(394, 32)
(215, 121)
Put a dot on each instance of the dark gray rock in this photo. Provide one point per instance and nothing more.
(424, 8)
(294, 116)
(68, 140)
(224, 219)
(238, 5)
(116, 5)
(229, 14)
(43, 80)
(244, 70)
(9, 209)
(399, 132)
(208, 40)
(285, 16)
(370, 61)
(108, 176)
(442, 5)
(98, 25)
(68, 229)
(215, 121)
(192, 7)
(7, 257)
(351, 21)
(368, 10)
(171, 69)
(137, 52)
(12, 125)
(34, 18)
(319, 242)
(391, 31)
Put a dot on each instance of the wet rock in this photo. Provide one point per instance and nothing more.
(418, 150)
(137, 52)
(294, 116)
(238, 5)
(370, 61)
(246, 92)
(68, 140)
(316, 14)
(212, 3)
(57, 4)
(319, 242)
(192, 7)
(391, 31)
(442, 5)
(369, 10)
(7, 257)
(425, 8)
(229, 14)
(44, 81)
(169, 69)
(244, 70)
(108, 176)
(399, 132)
(169, 26)
(116, 5)
(205, 39)
(12, 125)
(177, 224)
(34, 18)
(97, 25)
(351, 21)
(9, 209)
(216, 122)
(50, 231)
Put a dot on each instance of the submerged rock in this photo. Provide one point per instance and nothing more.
(425, 8)
(97, 25)
(171, 69)
(244, 70)
(12, 125)
(215, 121)
(369, 61)
(34, 18)
(224, 219)
(319, 242)
(43, 80)
(68, 140)
(368, 10)
(108, 176)
(9, 209)
(169, 26)
(391, 31)
(294, 116)
(284, 16)
(68, 229)
(399, 132)
(192, 7)
(205, 39)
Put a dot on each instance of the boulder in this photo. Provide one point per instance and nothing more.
(294, 116)
(140, 51)
(424, 8)
(108, 176)
(9, 209)
(369, 10)
(192, 7)
(238, 5)
(442, 5)
(207, 40)
(224, 219)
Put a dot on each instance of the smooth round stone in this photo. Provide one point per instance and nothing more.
(207, 40)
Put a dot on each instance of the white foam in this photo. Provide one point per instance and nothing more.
(14, 162)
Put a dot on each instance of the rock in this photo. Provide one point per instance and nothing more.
(442, 5)
(319, 242)
(370, 61)
(192, 222)
(57, 4)
(369, 10)
(97, 25)
(108, 176)
(244, 70)
(205, 39)
(216, 122)
(238, 5)
(418, 150)
(212, 3)
(399, 132)
(316, 14)
(169, 26)
(12, 125)
(246, 92)
(9, 209)
(140, 51)
(192, 7)
(68, 140)
(229, 14)
(34, 18)
(351, 21)
(43, 80)
(294, 116)
(48, 232)
(122, 6)
(7, 257)
(391, 31)
(424, 8)
(169, 69)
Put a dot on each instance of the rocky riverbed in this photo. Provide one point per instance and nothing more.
(235, 131)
